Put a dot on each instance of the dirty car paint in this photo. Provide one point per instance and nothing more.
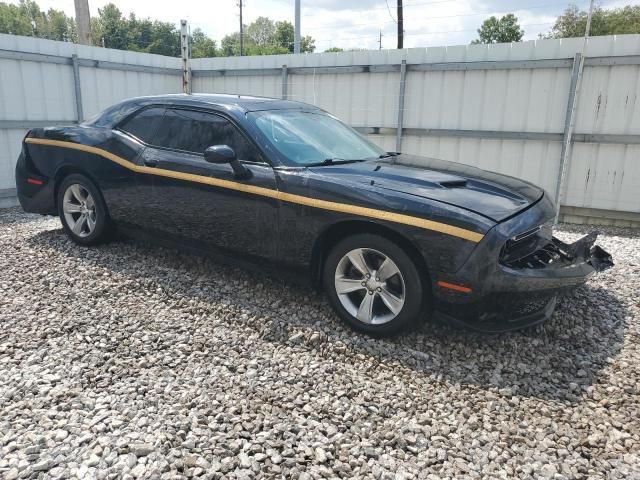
(459, 219)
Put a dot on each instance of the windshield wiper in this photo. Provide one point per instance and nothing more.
(333, 161)
(389, 154)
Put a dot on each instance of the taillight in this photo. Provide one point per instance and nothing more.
(34, 181)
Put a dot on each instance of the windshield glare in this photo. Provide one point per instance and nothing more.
(311, 137)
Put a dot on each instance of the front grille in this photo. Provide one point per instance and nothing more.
(512, 306)
(533, 248)
(548, 254)
(503, 311)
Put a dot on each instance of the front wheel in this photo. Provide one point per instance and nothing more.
(82, 210)
(373, 284)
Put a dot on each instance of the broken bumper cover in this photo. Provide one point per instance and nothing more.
(523, 291)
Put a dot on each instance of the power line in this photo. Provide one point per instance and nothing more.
(389, 10)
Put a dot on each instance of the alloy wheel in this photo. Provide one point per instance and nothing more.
(370, 286)
(79, 210)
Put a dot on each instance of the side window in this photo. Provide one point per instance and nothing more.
(194, 131)
(144, 124)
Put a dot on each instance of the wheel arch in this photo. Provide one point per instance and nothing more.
(331, 235)
(64, 171)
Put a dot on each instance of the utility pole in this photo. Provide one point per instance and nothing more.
(241, 29)
(400, 25)
(296, 33)
(380, 40)
(82, 21)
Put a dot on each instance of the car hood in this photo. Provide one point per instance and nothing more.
(492, 195)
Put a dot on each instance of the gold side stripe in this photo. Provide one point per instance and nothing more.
(267, 192)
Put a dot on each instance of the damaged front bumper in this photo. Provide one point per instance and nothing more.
(524, 287)
(556, 254)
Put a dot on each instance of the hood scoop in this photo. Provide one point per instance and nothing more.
(453, 183)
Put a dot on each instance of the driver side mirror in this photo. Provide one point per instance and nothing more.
(226, 154)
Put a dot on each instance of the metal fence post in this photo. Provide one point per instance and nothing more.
(285, 79)
(78, 89)
(184, 49)
(569, 122)
(403, 77)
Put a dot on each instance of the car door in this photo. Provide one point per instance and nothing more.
(126, 195)
(203, 202)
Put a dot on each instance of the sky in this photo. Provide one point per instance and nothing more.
(352, 23)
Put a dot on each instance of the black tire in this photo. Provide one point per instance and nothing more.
(102, 229)
(410, 279)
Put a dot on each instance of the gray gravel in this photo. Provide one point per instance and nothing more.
(132, 361)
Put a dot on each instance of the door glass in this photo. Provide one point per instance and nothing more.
(194, 132)
(144, 124)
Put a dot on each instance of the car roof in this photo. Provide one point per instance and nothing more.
(246, 103)
(237, 103)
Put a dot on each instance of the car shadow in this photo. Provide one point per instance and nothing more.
(558, 360)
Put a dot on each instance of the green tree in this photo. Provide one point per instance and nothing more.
(202, 46)
(573, 22)
(27, 19)
(265, 37)
(14, 21)
(165, 39)
(260, 38)
(138, 33)
(35, 16)
(230, 45)
(284, 37)
(265, 50)
(503, 30)
(112, 28)
(60, 27)
(334, 49)
(261, 32)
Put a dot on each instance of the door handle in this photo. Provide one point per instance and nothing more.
(151, 162)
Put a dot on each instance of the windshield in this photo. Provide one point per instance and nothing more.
(308, 138)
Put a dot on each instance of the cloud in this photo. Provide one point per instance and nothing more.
(338, 5)
(349, 23)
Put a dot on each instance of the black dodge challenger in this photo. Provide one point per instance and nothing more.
(284, 183)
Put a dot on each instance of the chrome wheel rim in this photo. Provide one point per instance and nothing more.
(370, 286)
(79, 209)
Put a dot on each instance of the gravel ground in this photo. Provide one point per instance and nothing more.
(131, 361)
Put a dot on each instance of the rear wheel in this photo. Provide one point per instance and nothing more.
(82, 210)
(373, 284)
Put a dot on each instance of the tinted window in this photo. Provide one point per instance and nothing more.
(144, 124)
(196, 131)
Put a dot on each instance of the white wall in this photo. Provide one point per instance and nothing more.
(603, 176)
(599, 176)
(42, 91)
